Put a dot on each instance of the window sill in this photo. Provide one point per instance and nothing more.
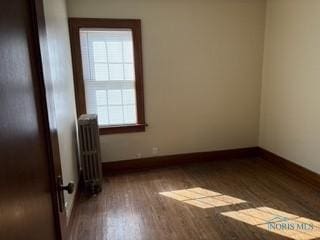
(103, 130)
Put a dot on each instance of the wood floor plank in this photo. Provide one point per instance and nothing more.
(130, 206)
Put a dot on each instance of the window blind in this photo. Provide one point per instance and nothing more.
(109, 77)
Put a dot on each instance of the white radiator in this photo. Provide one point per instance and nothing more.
(90, 153)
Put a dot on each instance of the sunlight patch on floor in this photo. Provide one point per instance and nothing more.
(279, 222)
(202, 198)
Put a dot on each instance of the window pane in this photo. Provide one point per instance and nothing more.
(99, 52)
(85, 56)
(114, 97)
(116, 115)
(116, 71)
(115, 54)
(102, 115)
(110, 74)
(129, 113)
(128, 51)
(128, 72)
(101, 97)
(128, 96)
(101, 72)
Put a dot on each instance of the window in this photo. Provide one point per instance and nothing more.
(107, 61)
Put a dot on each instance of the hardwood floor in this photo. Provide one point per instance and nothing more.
(130, 206)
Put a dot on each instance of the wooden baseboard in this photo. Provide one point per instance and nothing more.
(73, 210)
(110, 168)
(293, 169)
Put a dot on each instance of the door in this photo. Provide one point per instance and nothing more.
(29, 154)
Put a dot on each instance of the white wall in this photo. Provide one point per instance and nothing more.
(290, 113)
(202, 70)
(61, 72)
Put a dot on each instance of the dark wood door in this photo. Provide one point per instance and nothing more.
(28, 206)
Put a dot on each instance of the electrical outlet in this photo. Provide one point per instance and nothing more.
(155, 150)
(138, 155)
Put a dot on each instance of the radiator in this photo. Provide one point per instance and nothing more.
(90, 153)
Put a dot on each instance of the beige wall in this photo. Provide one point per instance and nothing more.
(290, 113)
(202, 69)
(61, 72)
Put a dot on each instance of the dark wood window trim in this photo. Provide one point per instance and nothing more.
(75, 24)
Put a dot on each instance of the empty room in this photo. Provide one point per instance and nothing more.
(160, 120)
